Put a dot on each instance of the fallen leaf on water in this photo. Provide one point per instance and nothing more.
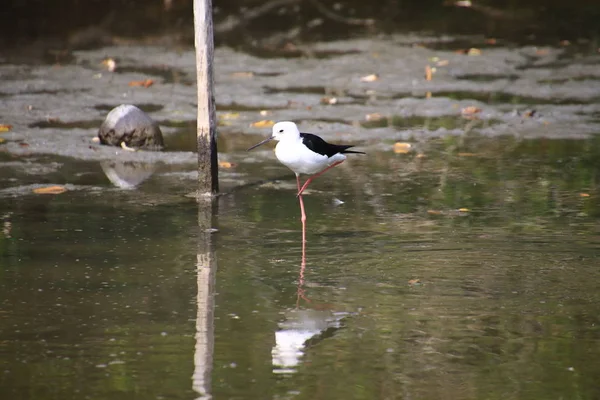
(127, 148)
(23, 144)
(145, 83)
(467, 154)
(584, 195)
(464, 209)
(413, 282)
(246, 74)
(110, 64)
(402, 148)
(265, 123)
(428, 73)
(491, 41)
(470, 110)
(474, 52)
(463, 3)
(227, 115)
(5, 127)
(50, 190)
(374, 117)
(369, 78)
(226, 164)
(428, 95)
(434, 212)
(329, 100)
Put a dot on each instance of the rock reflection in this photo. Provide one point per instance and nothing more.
(129, 174)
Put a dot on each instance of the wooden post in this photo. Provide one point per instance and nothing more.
(208, 179)
(208, 185)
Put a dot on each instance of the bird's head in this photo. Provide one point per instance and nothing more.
(281, 131)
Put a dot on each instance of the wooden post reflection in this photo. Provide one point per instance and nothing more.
(206, 267)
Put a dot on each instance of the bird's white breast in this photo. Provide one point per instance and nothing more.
(300, 159)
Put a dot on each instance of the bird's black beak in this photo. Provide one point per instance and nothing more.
(263, 142)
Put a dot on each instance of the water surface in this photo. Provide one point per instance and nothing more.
(465, 269)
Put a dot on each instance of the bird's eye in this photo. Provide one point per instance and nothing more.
(281, 131)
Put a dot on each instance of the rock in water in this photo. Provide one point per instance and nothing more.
(128, 126)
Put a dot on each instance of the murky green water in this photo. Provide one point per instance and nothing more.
(466, 269)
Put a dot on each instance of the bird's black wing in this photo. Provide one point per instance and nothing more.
(318, 145)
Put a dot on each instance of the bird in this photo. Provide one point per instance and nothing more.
(305, 153)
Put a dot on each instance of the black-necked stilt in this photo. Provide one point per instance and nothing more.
(305, 153)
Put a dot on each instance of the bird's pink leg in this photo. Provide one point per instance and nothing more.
(302, 217)
(309, 180)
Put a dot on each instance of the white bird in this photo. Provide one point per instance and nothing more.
(305, 153)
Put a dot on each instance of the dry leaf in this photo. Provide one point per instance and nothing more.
(227, 115)
(428, 73)
(226, 164)
(402, 148)
(145, 83)
(584, 195)
(434, 212)
(369, 78)
(467, 154)
(491, 41)
(374, 117)
(464, 209)
(243, 75)
(428, 95)
(127, 148)
(5, 127)
(265, 123)
(463, 3)
(329, 100)
(110, 64)
(474, 52)
(23, 144)
(50, 190)
(413, 282)
(2, 140)
(471, 110)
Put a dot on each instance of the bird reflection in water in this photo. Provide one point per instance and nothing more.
(302, 328)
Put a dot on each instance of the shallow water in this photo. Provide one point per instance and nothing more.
(467, 268)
